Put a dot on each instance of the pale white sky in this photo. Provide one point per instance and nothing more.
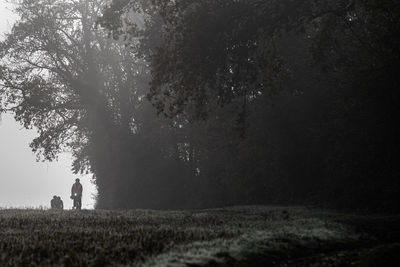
(23, 181)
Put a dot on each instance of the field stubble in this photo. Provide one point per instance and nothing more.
(237, 236)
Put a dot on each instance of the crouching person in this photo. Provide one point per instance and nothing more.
(56, 203)
(53, 203)
(60, 203)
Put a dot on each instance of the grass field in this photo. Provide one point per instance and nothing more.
(237, 236)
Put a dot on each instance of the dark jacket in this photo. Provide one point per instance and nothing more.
(77, 188)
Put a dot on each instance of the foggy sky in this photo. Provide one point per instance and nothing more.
(23, 181)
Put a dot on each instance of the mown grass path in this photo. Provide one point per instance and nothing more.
(238, 236)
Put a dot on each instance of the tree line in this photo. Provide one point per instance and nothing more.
(192, 104)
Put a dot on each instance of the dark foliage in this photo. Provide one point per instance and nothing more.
(258, 101)
(309, 90)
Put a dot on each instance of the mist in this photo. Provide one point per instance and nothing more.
(170, 117)
(191, 105)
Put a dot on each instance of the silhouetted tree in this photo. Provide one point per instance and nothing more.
(85, 93)
(263, 101)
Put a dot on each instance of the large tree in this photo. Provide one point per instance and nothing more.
(215, 68)
(81, 90)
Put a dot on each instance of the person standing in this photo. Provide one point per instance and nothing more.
(76, 194)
